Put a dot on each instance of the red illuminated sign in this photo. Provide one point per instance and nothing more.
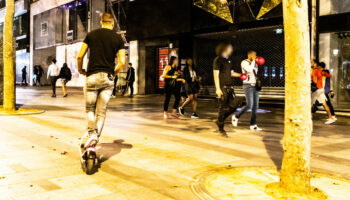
(163, 54)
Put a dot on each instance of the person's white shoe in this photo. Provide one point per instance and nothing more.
(92, 141)
(234, 121)
(255, 128)
(330, 121)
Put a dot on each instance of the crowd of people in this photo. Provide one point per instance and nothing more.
(54, 73)
(186, 83)
(101, 77)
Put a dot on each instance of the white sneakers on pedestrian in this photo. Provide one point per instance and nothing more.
(255, 128)
(331, 120)
(234, 121)
(252, 128)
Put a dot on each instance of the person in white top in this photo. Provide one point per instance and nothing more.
(53, 72)
(250, 68)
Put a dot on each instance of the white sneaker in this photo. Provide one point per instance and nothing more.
(330, 121)
(255, 128)
(234, 121)
(92, 141)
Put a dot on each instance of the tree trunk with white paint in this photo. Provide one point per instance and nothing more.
(9, 71)
(295, 172)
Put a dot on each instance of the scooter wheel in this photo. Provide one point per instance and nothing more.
(90, 165)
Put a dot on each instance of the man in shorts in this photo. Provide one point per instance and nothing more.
(104, 45)
(318, 94)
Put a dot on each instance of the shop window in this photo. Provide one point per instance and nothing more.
(330, 7)
(335, 52)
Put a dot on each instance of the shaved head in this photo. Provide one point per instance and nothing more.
(107, 18)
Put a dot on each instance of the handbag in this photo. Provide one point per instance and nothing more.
(258, 84)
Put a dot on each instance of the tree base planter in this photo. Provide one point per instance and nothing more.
(20, 111)
(280, 193)
(262, 183)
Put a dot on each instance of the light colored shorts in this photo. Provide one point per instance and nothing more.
(319, 96)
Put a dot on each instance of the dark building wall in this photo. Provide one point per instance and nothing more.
(263, 40)
(44, 57)
(178, 22)
(158, 18)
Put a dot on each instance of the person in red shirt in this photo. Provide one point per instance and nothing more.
(318, 94)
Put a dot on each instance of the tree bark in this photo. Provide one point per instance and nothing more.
(295, 171)
(9, 71)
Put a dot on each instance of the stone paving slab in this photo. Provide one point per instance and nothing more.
(144, 156)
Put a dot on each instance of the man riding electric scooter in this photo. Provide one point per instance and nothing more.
(104, 45)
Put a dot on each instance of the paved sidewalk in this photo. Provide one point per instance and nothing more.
(144, 157)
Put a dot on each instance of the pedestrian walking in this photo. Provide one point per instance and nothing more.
(172, 78)
(328, 88)
(192, 88)
(223, 79)
(24, 76)
(250, 68)
(318, 92)
(65, 76)
(130, 79)
(53, 73)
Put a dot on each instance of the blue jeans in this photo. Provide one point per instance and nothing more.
(252, 100)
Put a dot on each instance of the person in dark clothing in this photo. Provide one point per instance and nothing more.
(115, 87)
(24, 76)
(130, 79)
(38, 72)
(104, 45)
(172, 79)
(192, 87)
(65, 76)
(35, 75)
(223, 73)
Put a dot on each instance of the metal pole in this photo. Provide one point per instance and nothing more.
(88, 7)
(110, 5)
(313, 29)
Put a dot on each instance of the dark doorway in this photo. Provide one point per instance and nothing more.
(151, 70)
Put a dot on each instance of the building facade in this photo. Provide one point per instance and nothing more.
(20, 33)
(58, 29)
(164, 27)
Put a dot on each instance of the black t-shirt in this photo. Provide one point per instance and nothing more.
(104, 45)
(225, 66)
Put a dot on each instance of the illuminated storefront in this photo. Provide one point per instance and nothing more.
(334, 47)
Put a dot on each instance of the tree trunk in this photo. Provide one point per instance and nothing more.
(9, 73)
(295, 172)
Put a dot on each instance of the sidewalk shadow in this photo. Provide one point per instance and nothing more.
(274, 148)
(107, 150)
